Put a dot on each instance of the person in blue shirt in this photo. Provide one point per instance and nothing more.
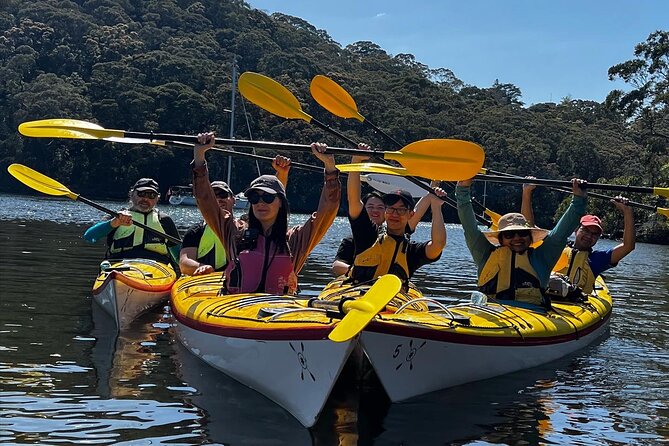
(584, 263)
(125, 240)
(509, 270)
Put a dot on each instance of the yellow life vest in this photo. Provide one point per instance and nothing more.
(388, 255)
(130, 237)
(510, 276)
(578, 270)
(209, 241)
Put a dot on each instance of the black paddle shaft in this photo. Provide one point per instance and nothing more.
(562, 183)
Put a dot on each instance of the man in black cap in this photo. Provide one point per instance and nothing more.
(392, 252)
(125, 240)
(202, 251)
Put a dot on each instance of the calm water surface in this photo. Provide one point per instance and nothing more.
(65, 377)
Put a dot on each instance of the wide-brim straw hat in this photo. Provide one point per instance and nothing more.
(514, 221)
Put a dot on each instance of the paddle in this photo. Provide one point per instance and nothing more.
(359, 312)
(49, 186)
(660, 191)
(450, 153)
(335, 99)
(462, 158)
(648, 207)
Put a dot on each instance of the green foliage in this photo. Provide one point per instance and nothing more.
(165, 65)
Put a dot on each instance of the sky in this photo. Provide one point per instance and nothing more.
(548, 49)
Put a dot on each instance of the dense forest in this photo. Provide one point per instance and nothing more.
(165, 65)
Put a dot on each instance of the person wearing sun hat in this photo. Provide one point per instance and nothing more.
(268, 255)
(201, 250)
(584, 263)
(125, 240)
(509, 270)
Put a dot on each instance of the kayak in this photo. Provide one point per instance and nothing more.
(275, 344)
(415, 352)
(129, 287)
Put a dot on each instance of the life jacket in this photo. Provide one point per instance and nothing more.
(126, 238)
(510, 276)
(208, 242)
(578, 270)
(261, 269)
(388, 255)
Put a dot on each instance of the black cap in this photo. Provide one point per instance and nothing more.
(222, 185)
(267, 183)
(399, 194)
(147, 184)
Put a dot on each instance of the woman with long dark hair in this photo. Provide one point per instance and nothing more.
(267, 256)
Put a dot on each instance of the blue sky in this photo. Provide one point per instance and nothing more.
(549, 50)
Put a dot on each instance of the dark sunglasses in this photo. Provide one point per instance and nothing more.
(147, 194)
(511, 234)
(221, 194)
(254, 198)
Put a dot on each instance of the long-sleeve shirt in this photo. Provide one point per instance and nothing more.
(302, 239)
(543, 258)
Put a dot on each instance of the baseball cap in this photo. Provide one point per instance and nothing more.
(146, 184)
(266, 183)
(399, 194)
(222, 185)
(592, 221)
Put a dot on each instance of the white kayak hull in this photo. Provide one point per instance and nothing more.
(413, 365)
(296, 374)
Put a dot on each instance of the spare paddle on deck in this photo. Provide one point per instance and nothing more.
(49, 186)
(359, 312)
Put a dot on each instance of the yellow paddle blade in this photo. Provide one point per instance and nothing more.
(332, 97)
(39, 181)
(361, 311)
(270, 95)
(663, 211)
(75, 129)
(440, 159)
(373, 168)
(494, 216)
(661, 191)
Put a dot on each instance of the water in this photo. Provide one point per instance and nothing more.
(65, 377)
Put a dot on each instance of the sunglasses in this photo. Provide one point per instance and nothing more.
(396, 211)
(254, 198)
(221, 194)
(147, 194)
(511, 234)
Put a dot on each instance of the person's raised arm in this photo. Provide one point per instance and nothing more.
(421, 207)
(281, 165)
(526, 205)
(629, 233)
(438, 232)
(354, 187)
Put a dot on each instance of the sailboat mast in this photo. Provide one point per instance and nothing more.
(232, 114)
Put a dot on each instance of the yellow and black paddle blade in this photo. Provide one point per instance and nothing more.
(663, 211)
(77, 129)
(39, 181)
(494, 217)
(332, 97)
(361, 311)
(270, 95)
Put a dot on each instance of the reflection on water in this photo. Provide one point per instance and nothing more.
(65, 376)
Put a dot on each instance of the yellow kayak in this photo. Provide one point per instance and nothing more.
(129, 287)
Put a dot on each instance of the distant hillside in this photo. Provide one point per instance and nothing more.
(165, 65)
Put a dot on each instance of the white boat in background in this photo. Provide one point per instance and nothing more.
(241, 202)
(390, 183)
(181, 195)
